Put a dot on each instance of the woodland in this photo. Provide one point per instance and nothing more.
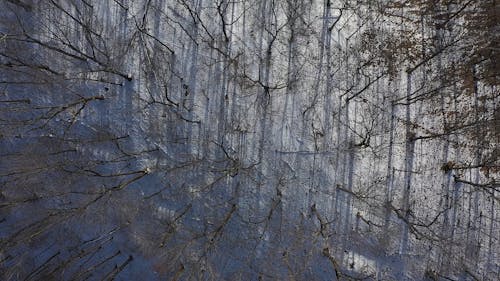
(249, 140)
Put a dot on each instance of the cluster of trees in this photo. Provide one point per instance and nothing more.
(249, 140)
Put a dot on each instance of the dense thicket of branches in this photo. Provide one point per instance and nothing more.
(249, 140)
